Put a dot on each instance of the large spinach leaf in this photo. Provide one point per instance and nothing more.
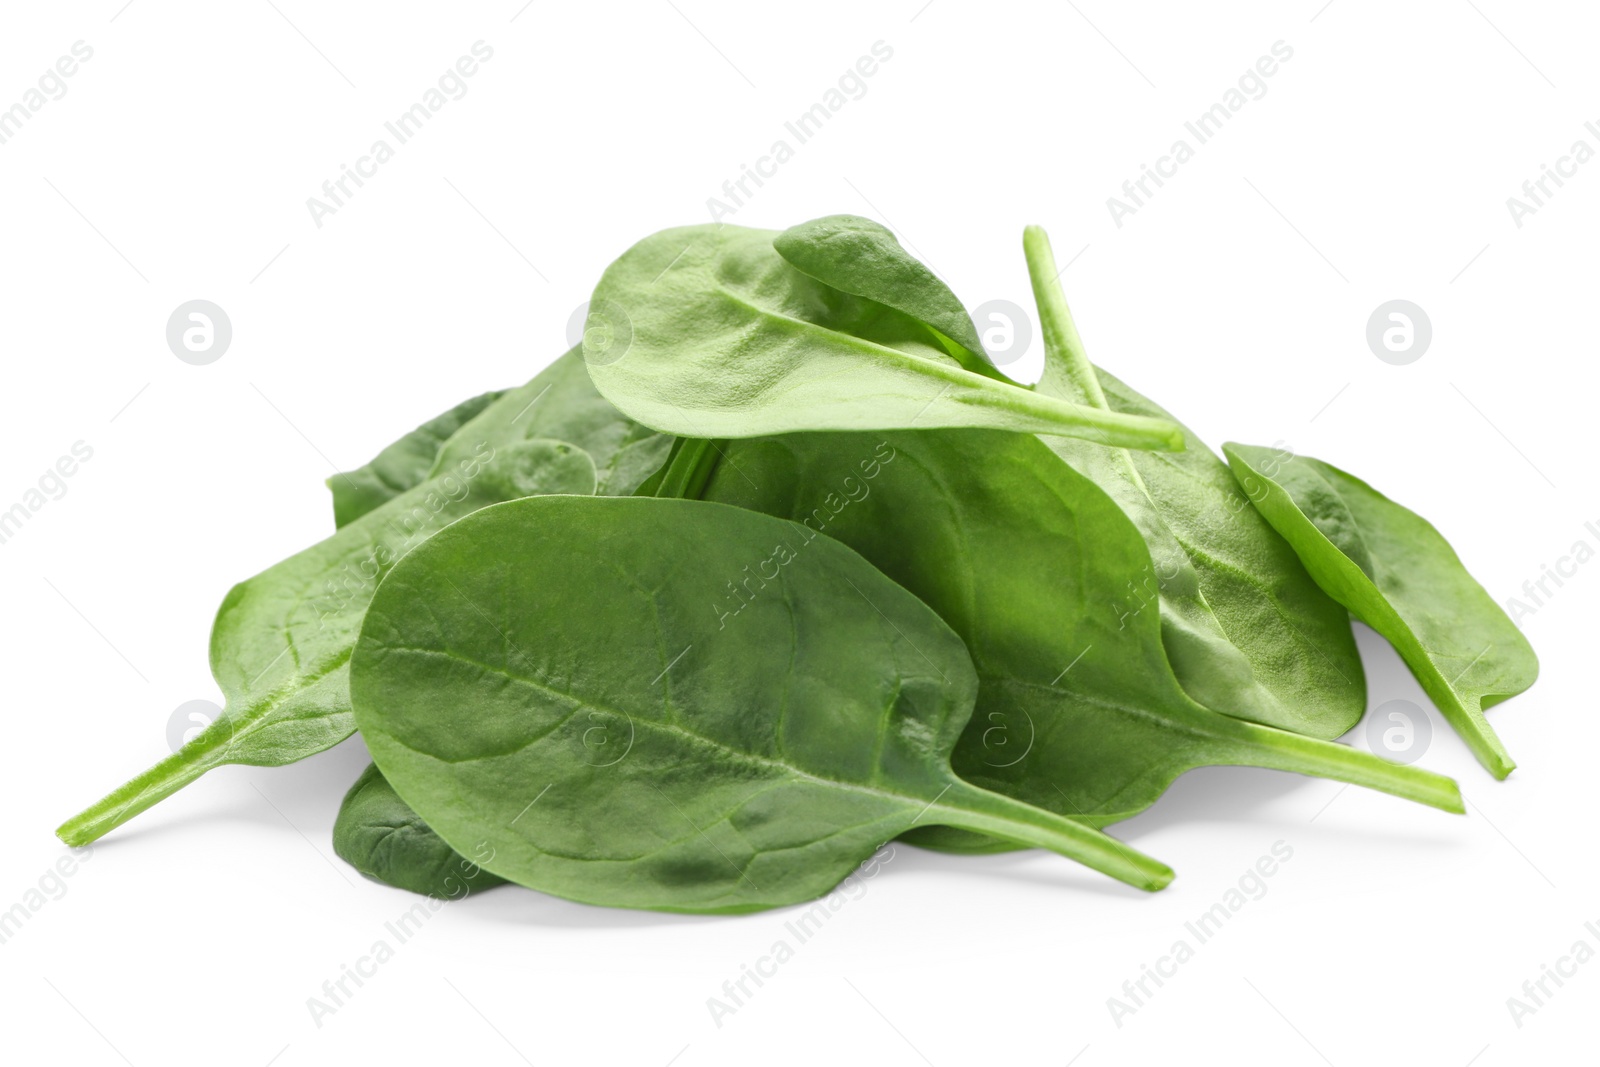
(1028, 561)
(754, 761)
(1247, 631)
(1397, 574)
(379, 835)
(281, 643)
(706, 331)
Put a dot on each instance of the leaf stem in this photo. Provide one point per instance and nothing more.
(1063, 419)
(1252, 745)
(1064, 351)
(970, 808)
(150, 788)
(690, 469)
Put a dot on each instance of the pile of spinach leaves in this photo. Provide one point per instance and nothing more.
(778, 566)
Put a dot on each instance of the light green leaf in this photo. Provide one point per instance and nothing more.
(1397, 574)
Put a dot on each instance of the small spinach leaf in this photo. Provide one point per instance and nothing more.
(559, 403)
(1247, 631)
(750, 763)
(281, 643)
(402, 465)
(562, 403)
(712, 334)
(1397, 574)
(380, 836)
(1028, 561)
(860, 257)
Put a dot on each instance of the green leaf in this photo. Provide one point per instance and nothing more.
(404, 464)
(1247, 631)
(860, 257)
(1397, 574)
(705, 331)
(1078, 710)
(551, 678)
(281, 643)
(380, 836)
(562, 403)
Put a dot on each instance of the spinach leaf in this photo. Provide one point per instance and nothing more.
(281, 643)
(380, 836)
(711, 333)
(1397, 574)
(1247, 631)
(402, 465)
(1028, 561)
(860, 257)
(560, 403)
(563, 404)
(748, 762)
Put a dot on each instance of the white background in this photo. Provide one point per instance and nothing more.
(1377, 166)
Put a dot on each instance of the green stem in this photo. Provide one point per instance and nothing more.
(150, 788)
(1251, 745)
(970, 808)
(1062, 419)
(1467, 721)
(690, 470)
(1064, 351)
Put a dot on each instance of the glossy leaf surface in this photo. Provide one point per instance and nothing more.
(551, 678)
(1078, 710)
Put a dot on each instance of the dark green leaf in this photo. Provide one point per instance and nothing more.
(380, 836)
(1247, 631)
(553, 678)
(1078, 710)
